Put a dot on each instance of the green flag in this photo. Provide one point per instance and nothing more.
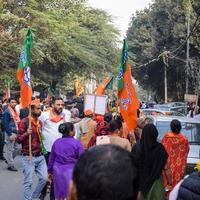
(122, 66)
(25, 55)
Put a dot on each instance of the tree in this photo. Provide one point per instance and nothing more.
(162, 28)
(69, 37)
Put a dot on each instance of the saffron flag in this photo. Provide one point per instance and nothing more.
(7, 89)
(23, 71)
(79, 88)
(106, 84)
(110, 84)
(128, 101)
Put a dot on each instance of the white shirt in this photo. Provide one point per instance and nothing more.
(50, 128)
(17, 108)
(68, 115)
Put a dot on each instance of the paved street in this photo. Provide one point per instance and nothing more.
(11, 182)
(11, 187)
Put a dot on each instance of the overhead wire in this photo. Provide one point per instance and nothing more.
(180, 47)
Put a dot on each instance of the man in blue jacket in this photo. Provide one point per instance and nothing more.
(10, 125)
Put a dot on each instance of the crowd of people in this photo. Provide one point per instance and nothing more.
(78, 155)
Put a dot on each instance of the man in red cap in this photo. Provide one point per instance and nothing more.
(87, 128)
(37, 163)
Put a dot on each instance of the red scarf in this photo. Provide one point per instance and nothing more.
(14, 115)
(55, 117)
(37, 125)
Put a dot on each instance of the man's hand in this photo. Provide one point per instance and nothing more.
(50, 177)
(29, 131)
(12, 138)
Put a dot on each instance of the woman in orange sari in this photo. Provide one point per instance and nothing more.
(177, 147)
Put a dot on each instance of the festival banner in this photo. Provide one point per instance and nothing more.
(128, 100)
(23, 71)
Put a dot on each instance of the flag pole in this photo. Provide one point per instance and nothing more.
(117, 110)
(30, 138)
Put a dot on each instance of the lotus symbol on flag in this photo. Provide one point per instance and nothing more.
(27, 78)
(120, 74)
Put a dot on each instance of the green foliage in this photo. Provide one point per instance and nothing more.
(162, 27)
(68, 37)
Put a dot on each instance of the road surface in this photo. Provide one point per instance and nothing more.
(11, 183)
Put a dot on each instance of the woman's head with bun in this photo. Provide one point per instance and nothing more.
(67, 129)
(175, 126)
(115, 126)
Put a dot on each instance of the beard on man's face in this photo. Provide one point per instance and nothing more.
(58, 110)
(36, 114)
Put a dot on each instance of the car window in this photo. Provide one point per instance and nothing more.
(190, 130)
(163, 127)
(174, 113)
(181, 109)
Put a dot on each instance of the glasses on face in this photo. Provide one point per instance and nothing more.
(39, 108)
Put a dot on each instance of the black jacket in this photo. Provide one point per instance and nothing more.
(190, 188)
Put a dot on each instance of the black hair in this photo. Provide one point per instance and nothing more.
(56, 99)
(108, 117)
(138, 113)
(115, 124)
(105, 172)
(175, 126)
(66, 128)
(12, 98)
(119, 118)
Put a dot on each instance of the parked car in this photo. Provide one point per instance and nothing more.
(190, 128)
(175, 104)
(161, 112)
(167, 107)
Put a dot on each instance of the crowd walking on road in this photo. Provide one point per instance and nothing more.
(94, 157)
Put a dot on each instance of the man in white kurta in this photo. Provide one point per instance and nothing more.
(51, 120)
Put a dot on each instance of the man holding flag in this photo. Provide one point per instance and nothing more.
(38, 163)
(23, 76)
(128, 101)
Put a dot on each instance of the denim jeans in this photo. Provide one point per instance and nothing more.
(38, 165)
(12, 150)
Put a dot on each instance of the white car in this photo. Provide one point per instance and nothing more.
(190, 128)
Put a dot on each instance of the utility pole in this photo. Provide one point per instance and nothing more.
(166, 65)
(188, 50)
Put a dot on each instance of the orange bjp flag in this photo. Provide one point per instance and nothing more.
(23, 71)
(102, 87)
(128, 100)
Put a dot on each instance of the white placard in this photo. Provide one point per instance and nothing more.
(100, 105)
(96, 103)
(89, 102)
